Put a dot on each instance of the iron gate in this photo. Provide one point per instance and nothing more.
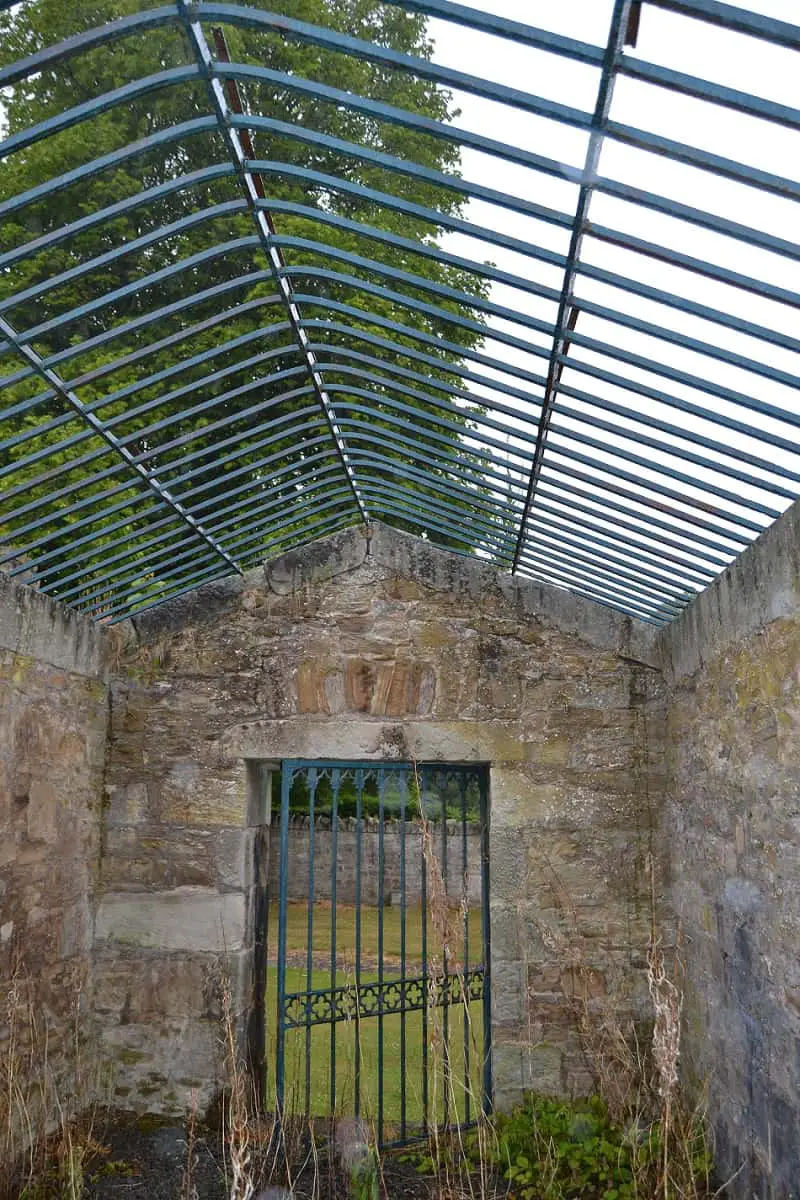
(382, 979)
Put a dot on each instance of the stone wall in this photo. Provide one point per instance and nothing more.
(732, 826)
(53, 718)
(375, 648)
(346, 838)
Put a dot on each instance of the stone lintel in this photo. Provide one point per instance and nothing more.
(357, 738)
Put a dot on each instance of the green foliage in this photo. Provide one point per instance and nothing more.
(552, 1149)
(143, 391)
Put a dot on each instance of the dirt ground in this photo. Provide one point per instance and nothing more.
(141, 1163)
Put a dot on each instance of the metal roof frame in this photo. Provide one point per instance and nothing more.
(611, 471)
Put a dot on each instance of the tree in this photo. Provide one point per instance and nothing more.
(161, 419)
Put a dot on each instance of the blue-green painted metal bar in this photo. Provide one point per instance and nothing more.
(562, 570)
(610, 187)
(728, 394)
(125, 611)
(712, 549)
(636, 586)
(309, 533)
(54, 557)
(612, 595)
(473, 417)
(488, 1096)
(142, 199)
(481, 404)
(223, 112)
(310, 900)
(204, 431)
(517, 31)
(446, 1073)
(641, 501)
(403, 787)
(62, 52)
(136, 286)
(186, 334)
(59, 588)
(357, 1030)
(144, 241)
(321, 483)
(65, 525)
(486, 271)
(50, 377)
(336, 779)
(740, 20)
(114, 159)
(124, 418)
(140, 548)
(240, 282)
(615, 451)
(683, 573)
(589, 398)
(644, 530)
(307, 419)
(168, 560)
(335, 499)
(253, 468)
(559, 170)
(93, 108)
(684, 433)
(171, 581)
(465, 898)
(296, 486)
(381, 902)
(732, 540)
(468, 511)
(512, 97)
(714, 465)
(665, 566)
(567, 312)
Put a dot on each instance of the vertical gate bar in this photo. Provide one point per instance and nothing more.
(463, 783)
(381, 898)
(486, 938)
(357, 1065)
(336, 777)
(442, 780)
(424, 934)
(280, 1053)
(403, 797)
(312, 794)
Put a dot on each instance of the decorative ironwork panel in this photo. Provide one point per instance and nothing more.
(350, 1003)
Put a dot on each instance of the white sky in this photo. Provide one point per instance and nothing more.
(694, 48)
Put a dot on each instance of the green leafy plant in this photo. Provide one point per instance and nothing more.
(549, 1149)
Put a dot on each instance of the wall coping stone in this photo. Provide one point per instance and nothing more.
(39, 627)
(414, 558)
(760, 586)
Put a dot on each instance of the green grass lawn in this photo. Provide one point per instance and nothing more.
(297, 933)
(318, 1039)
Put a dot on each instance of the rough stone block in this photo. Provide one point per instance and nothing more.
(186, 918)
